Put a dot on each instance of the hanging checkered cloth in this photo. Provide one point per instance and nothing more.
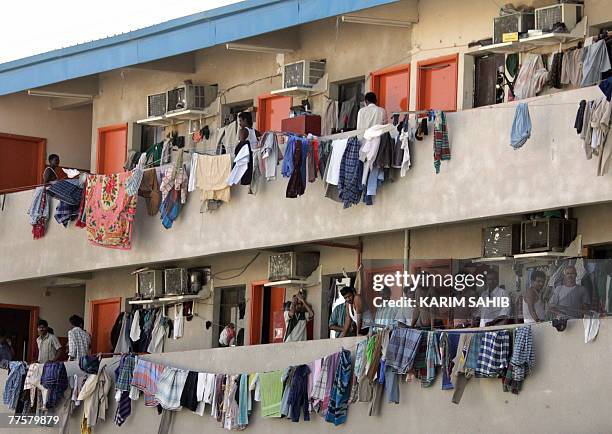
(522, 361)
(494, 354)
(441, 145)
(350, 187)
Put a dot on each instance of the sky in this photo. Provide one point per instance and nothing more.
(37, 26)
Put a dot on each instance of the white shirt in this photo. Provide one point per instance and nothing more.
(299, 331)
(333, 173)
(369, 116)
(488, 314)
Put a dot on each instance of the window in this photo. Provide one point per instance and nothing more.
(392, 87)
(349, 94)
(229, 112)
(229, 308)
(437, 83)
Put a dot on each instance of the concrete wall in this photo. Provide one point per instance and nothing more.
(67, 132)
(56, 304)
(567, 392)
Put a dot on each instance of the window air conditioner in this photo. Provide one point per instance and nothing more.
(519, 22)
(292, 265)
(501, 241)
(149, 284)
(156, 104)
(304, 73)
(547, 234)
(568, 13)
(176, 281)
(190, 97)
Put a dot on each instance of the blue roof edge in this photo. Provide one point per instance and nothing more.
(173, 37)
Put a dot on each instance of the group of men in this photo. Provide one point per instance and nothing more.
(49, 347)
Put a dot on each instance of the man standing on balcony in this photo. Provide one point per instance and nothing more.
(49, 346)
(296, 318)
(53, 171)
(371, 114)
(494, 312)
(569, 300)
(79, 340)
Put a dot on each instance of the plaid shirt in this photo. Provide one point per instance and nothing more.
(179, 182)
(350, 187)
(170, 387)
(402, 349)
(523, 353)
(78, 343)
(494, 354)
(67, 190)
(125, 372)
(441, 145)
(55, 380)
(320, 385)
(144, 378)
(432, 358)
(12, 387)
(64, 213)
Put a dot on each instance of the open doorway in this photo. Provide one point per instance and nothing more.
(229, 308)
(267, 323)
(18, 324)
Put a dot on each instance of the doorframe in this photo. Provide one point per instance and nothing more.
(431, 62)
(42, 153)
(33, 326)
(256, 311)
(93, 303)
(375, 80)
(106, 129)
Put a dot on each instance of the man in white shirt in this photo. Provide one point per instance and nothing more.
(371, 114)
(49, 346)
(296, 319)
(569, 300)
(494, 315)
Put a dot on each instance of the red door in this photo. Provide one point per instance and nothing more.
(103, 315)
(277, 325)
(272, 110)
(22, 161)
(275, 318)
(112, 149)
(437, 84)
(392, 87)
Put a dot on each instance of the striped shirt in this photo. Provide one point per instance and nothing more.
(48, 347)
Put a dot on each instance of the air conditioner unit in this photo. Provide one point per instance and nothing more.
(149, 284)
(520, 23)
(156, 104)
(304, 73)
(292, 265)
(176, 281)
(568, 13)
(547, 234)
(501, 241)
(190, 97)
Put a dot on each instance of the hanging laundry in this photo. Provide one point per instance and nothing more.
(521, 126)
(298, 395)
(189, 397)
(571, 67)
(350, 186)
(579, 122)
(178, 323)
(149, 189)
(69, 193)
(441, 144)
(335, 161)
(531, 77)
(359, 370)
(448, 351)
(402, 348)
(320, 385)
(94, 395)
(170, 387)
(467, 362)
(144, 379)
(271, 155)
(212, 174)
(494, 354)
(338, 402)
(296, 186)
(109, 211)
(554, 75)
(522, 361)
(154, 154)
(89, 364)
(173, 191)
(242, 171)
(606, 88)
(55, 379)
(329, 119)
(591, 326)
(14, 384)
(595, 61)
(132, 185)
(39, 212)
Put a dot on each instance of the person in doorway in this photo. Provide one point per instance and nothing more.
(49, 346)
(79, 341)
(495, 314)
(533, 305)
(569, 300)
(245, 120)
(6, 348)
(228, 335)
(385, 314)
(463, 315)
(371, 114)
(356, 322)
(297, 317)
(53, 172)
(337, 318)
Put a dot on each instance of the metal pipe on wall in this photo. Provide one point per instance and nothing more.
(406, 249)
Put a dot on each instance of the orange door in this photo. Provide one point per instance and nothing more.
(103, 316)
(392, 87)
(277, 323)
(112, 149)
(22, 161)
(272, 110)
(437, 84)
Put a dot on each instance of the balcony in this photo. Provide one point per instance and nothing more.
(565, 367)
(484, 178)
